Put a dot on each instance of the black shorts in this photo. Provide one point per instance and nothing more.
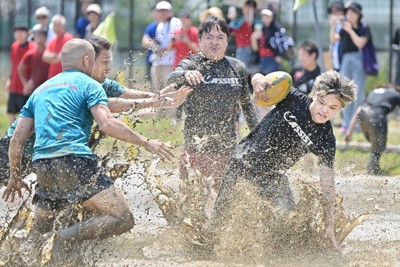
(66, 180)
(26, 162)
(15, 103)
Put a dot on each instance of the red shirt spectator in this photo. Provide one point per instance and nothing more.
(55, 46)
(32, 69)
(185, 41)
(185, 44)
(242, 34)
(52, 54)
(17, 52)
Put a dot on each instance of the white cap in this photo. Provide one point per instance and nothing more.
(94, 8)
(164, 5)
(266, 12)
(42, 11)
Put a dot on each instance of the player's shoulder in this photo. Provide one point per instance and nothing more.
(235, 62)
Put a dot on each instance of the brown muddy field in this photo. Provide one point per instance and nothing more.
(255, 236)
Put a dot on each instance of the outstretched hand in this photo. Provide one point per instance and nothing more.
(176, 98)
(159, 148)
(15, 186)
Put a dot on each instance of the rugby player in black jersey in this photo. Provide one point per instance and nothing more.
(298, 125)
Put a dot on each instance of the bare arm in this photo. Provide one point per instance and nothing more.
(115, 128)
(255, 36)
(147, 41)
(27, 83)
(22, 132)
(51, 57)
(167, 99)
(353, 121)
(332, 22)
(136, 94)
(359, 41)
(327, 180)
(21, 73)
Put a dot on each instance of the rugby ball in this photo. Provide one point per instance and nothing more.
(281, 84)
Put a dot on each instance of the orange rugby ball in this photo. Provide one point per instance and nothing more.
(281, 84)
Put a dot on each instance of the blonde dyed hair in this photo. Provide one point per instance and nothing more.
(332, 82)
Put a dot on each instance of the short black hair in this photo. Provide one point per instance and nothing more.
(310, 47)
(99, 43)
(251, 3)
(20, 28)
(335, 5)
(211, 21)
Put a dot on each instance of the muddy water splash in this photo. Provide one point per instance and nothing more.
(251, 232)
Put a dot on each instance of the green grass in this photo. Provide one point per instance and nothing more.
(3, 121)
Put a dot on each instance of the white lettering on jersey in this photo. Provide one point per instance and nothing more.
(291, 119)
(208, 79)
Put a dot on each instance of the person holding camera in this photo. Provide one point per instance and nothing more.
(336, 11)
(354, 35)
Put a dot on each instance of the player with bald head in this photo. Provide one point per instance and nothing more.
(61, 112)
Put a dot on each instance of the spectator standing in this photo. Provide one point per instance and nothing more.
(93, 13)
(260, 41)
(32, 69)
(82, 22)
(241, 29)
(42, 16)
(354, 36)
(148, 40)
(162, 59)
(52, 54)
(305, 75)
(15, 88)
(336, 12)
(185, 41)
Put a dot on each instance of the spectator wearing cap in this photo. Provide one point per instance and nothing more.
(336, 12)
(354, 36)
(82, 22)
(32, 69)
(52, 54)
(93, 13)
(185, 41)
(42, 16)
(16, 98)
(260, 41)
(241, 29)
(269, 61)
(162, 58)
